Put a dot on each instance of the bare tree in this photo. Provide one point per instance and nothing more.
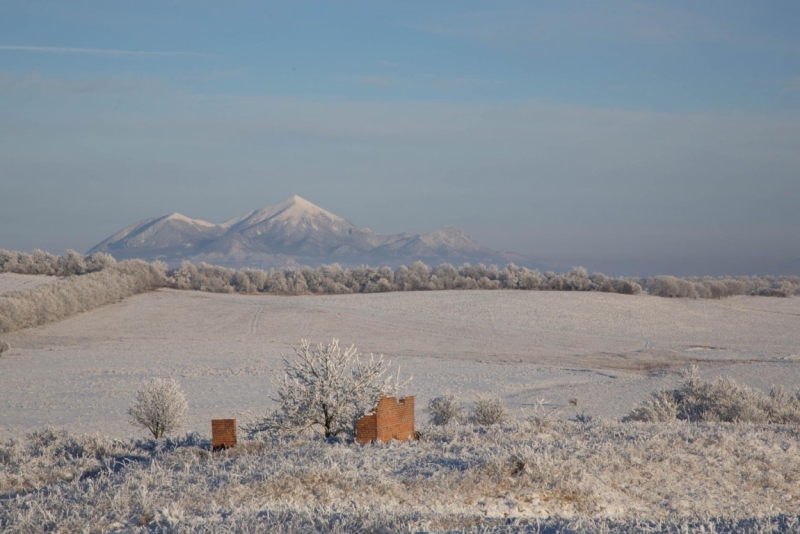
(326, 389)
(160, 407)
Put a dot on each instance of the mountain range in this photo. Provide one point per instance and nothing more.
(291, 233)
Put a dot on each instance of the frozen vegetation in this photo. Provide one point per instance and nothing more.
(445, 410)
(537, 474)
(721, 399)
(94, 280)
(160, 407)
(722, 287)
(499, 462)
(333, 279)
(536, 467)
(492, 473)
(39, 262)
(47, 303)
(324, 390)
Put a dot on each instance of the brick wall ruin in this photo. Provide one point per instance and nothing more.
(223, 433)
(391, 419)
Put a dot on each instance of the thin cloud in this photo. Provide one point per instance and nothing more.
(423, 81)
(99, 51)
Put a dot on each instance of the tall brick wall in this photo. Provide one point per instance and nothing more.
(223, 433)
(391, 419)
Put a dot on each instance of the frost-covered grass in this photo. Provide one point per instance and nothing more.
(535, 475)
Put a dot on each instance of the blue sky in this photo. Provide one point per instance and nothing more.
(629, 137)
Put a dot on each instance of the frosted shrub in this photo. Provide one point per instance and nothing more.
(488, 411)
(445, 409)
(326, 389)
(719, 400)
(160, 407)
(659, 408)
(4, 346)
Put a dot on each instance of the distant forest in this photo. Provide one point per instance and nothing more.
(87, 282)
(334, 279)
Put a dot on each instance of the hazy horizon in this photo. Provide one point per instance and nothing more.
(632, 138)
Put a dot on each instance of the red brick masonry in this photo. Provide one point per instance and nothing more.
(223, 433)
(391, 419)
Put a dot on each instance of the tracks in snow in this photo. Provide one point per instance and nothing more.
(254, 322)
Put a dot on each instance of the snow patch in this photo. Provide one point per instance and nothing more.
(179, 217)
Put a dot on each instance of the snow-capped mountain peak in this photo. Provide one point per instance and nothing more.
(292, 209)
(294, 231)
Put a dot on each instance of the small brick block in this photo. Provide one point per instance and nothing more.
(391, 419)
(223, 433)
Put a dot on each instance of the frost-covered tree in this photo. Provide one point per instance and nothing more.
(160, 407)
(326, 389)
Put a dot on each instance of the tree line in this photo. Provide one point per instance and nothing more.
(78, 293)
(91, 281)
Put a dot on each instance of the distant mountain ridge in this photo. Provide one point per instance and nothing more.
(290, 233)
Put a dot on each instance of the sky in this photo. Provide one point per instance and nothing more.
(628, 137)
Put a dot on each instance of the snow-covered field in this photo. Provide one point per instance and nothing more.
(607, 351)
(14, 282)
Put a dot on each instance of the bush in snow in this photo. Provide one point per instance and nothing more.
(4, 346)
(326, 389)
(719, 400)
(160, 407)
(445, 409)
(488, 411)
(659, 408)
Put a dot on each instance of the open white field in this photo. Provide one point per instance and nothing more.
(608, 351)
(15, 282)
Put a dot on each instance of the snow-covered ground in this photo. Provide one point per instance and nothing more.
(14, 282)
(534, 476)
(607, 351)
